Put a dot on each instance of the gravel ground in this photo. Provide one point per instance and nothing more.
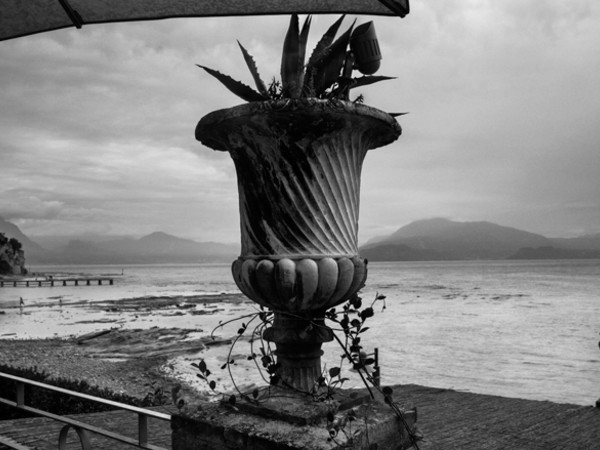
(126, 362)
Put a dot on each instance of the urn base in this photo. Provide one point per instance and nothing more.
(298, 343)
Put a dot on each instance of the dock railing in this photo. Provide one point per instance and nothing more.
(83, 429)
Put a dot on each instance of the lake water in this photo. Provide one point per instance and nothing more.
(526, 329)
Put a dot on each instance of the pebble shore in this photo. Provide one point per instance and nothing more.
(124, 361)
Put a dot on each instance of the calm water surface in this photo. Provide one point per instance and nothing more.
(525, 329)
(511, 328)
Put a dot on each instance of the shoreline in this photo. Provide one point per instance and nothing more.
(137, 362)
(132, 362)
(171, 299)
(128, 345)
(60, 317)
(117, 359)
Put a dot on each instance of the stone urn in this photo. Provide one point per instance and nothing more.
(298, 164)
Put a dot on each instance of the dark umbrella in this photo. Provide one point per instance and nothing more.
(21, 18)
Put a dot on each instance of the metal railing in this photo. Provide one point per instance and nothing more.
(83, 429)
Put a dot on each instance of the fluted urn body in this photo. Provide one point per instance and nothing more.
(298, 165)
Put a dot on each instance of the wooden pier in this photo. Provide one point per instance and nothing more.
(51, 282)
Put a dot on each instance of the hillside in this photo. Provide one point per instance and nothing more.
(31, 249)
(423, 240)
(589, 242)
(443, 239)
(155, 248)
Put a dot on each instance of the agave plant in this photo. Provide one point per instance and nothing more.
(326, 75)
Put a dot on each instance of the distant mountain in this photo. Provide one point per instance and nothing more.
(58, 242)
(159, 248)
(162, 246)
(401, 252)
(431, 239)
(588, 242)
(443, 239)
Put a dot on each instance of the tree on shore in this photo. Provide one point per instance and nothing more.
(12, 256)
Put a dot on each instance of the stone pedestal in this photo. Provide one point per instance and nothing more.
(298, 165)
(283, 424)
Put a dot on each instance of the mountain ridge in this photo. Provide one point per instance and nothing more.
(444, 239)
(421, 240)
(156, 247)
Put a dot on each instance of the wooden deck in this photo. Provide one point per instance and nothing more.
(457, 420)
(448, 419)
(41, 433)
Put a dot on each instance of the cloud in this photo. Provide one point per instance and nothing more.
(97, 125)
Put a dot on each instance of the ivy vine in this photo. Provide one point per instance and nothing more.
(350, 322)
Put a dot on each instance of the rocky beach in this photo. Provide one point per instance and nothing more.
(116, 354)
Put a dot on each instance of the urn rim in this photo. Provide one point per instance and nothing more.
(225, 120)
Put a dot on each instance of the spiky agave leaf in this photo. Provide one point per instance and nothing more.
(325, 41)
(237, 87)
(343, 88)
(329, 65)
(289, 60)
(260, 85)
(304, 36)
(366, 80)
(302, 49)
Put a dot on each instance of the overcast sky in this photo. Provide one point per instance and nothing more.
(97, 125)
